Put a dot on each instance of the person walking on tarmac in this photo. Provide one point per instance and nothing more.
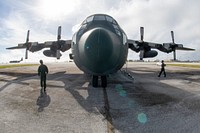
(42, 72)
(162, 69)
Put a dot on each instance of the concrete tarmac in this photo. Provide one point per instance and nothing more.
(144, 104)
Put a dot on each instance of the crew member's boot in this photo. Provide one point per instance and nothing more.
(45, 91)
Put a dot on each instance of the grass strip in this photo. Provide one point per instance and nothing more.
(185, 65)
(16, 65)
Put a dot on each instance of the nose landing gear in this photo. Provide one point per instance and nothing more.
(103, 81)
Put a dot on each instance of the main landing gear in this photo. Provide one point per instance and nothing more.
(103, 81)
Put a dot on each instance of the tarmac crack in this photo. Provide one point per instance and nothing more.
(110, 126)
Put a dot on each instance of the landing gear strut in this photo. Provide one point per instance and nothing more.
(95, 81)
(103, 81)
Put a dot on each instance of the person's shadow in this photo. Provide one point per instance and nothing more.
(43, 101)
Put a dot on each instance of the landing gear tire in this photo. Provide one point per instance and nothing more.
(95, 81)
(104, 81)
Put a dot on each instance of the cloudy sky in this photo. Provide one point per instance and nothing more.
(42, 17)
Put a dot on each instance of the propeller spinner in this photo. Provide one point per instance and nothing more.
(143, 47)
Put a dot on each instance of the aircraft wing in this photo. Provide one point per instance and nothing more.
(136, 45)
(145, 48)
(55, 46)
(184, 48)
(16, 47)
(133, 45)
(160, 47)
(154, 45)
(174, 46)
(23, 45)
(62, 45)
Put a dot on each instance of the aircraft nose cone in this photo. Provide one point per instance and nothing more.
(98, 46)
(97, 49)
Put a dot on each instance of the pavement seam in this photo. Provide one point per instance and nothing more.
(110, 126)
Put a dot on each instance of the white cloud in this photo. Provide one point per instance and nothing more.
(158, 17)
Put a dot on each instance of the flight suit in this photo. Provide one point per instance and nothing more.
(42, 72)
(162, 69)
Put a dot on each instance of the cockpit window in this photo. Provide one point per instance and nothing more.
(89, 19)
(114, 21)
(115, 26)
(84, 22)
(83, 27)
(99, 17)
(109, 19)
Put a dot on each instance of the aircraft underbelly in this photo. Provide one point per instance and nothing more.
(100, 52)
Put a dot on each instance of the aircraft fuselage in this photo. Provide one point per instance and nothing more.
(100, 46)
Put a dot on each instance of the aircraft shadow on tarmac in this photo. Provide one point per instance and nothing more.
(20, 77)
(148, 98)
(132, 93)
(82, 78)
(75, 81)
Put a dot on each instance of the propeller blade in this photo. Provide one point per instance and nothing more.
(27, 45)
(142, 33)
(172, 34)
(141, 54)
(26, 54)
(174, 55)
(27, 37)
(59, 33)
(58, 54)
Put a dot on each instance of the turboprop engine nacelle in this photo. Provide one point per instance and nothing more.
(150, 54)
(49, 53)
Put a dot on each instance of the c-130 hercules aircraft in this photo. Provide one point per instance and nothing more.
(99, 47)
